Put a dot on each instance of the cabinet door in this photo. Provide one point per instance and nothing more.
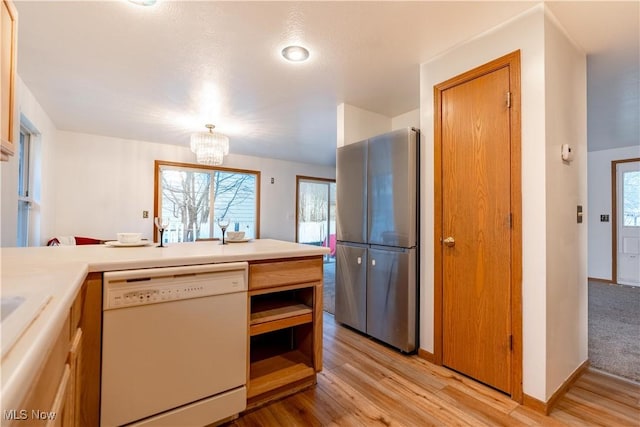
(351, 286)
(75, 386)
(8, 47)
(391, 297)
(58, 414)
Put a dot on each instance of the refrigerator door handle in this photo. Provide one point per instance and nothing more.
(373, 262)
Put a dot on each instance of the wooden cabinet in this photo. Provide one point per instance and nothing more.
(285, 327)
(66, 391)
(8, 55)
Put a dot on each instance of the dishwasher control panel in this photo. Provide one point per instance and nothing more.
(158, 285)
(146, 296)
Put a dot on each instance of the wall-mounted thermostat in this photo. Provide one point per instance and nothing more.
(567, 153)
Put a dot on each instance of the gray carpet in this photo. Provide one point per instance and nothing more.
(614, 329)
(329, 294)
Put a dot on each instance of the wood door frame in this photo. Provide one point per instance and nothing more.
(614, 215)
(511, 60)
(309, 178)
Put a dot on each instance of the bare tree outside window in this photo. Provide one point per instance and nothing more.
(194, 196)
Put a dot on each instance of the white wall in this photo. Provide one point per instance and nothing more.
(355, 124)
(104, 184)
(42, 148)
(527, 34)
(599, 184)
(566, 187)
(406, 120)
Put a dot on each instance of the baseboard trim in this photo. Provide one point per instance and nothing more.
(546, 407)
(426, 355)
(596, 279)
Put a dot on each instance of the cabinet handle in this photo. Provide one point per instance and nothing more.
(373, 262)
(359, 260)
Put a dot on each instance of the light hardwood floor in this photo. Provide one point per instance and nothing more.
(365, 383)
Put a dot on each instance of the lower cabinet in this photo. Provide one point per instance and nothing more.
(66, 390)
(285, 327)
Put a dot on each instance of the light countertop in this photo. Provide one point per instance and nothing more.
(52, 276)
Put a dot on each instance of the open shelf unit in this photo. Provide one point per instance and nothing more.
(285, 327)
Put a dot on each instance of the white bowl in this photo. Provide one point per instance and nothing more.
(129, 237)
(235, 235)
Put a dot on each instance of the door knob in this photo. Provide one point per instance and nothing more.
(450, 241)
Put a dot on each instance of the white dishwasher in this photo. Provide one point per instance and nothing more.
(174, 345)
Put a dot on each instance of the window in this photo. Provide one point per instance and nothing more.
(631, 198)
(24, 193)
(194, 196)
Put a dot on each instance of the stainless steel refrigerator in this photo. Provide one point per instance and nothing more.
(377, 184)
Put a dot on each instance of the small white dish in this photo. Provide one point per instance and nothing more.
(116, 244)
(246, 239)
(129, 237)
(235, 235)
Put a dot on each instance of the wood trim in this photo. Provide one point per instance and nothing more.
(596, 279)
(306, 178)
(566, 385)
(546, 407)
(156, 177)
(511, 60)
(614, 215)
(317, 326)
(535, 404)
(428, 356)
(91, 325)
(438, 228)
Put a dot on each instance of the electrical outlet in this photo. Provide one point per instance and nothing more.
(273, 181)
(145, 214)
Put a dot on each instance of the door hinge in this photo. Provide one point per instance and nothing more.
(510, 219)
(511, 342)
(508, 99)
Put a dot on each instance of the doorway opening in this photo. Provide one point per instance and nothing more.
(316, 225)
(625, 221)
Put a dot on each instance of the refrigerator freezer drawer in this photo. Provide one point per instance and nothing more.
(391, 297)
(351, 286)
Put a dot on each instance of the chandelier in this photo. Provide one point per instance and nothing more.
(209, 147)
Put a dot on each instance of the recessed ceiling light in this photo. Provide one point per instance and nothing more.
(295, 53)
(144, 2)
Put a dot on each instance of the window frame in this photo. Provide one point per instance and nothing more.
(24, 187)
(158, 164)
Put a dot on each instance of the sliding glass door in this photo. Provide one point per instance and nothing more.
(316, 225)
(316, 211)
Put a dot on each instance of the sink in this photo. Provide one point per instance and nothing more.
(18, 312)
(9, 304)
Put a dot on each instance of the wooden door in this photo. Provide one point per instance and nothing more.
(476, 228)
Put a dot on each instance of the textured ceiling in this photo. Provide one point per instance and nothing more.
(159, 73)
